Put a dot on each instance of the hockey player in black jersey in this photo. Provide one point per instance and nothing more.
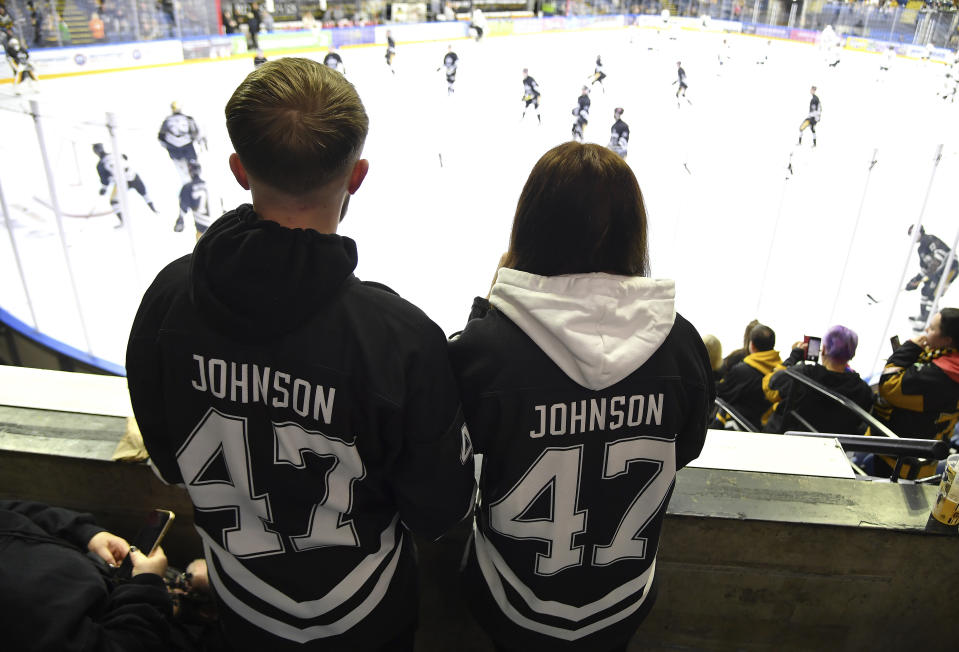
(194, 198)
(177, 135)
(598, 75)
(933, 254)
(334, 61)
(581, 113)
(619, 134)
(107, 171)
(312, 417)
(390, 50)
(681, 80)
(531, 95)
(813, 117)
(450, 62)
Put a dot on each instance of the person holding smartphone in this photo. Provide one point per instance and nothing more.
(57, 591)
(791, 397)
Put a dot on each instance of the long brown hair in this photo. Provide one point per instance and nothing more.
(580, 211)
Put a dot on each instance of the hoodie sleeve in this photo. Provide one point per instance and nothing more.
(76, 527)
(433, 484)
(145, 370)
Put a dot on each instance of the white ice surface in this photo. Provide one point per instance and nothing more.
(434, 233)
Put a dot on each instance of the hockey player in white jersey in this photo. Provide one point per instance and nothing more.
(178, 135)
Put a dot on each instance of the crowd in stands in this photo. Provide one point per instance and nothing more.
(917, 395)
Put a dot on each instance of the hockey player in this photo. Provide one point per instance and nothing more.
(764, 59)
(598, 75)
(19, 60)
(531, 95)
(177, 135)
(619, 134)
(259, 59)
(390, 51)
(106, 169)
(581, 112)
(933, 254)
(450, 62)
(888, 58)
(478, 24)
(812, 119)
(681, 80)
(334, 61)
(723, 54)
(194, 198)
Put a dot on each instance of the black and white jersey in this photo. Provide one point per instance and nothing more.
(619, 137)
(390, 45)
(450, 62)
(682, 76)
(815, 108)
(575, 481)
(530, 88)
(933, 254)
(598, 70)
(107, 168)
(178, 130)
(581, 109)
(314, 421)
(195, 198)
(258, 61)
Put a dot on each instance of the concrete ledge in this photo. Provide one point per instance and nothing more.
(748, 561)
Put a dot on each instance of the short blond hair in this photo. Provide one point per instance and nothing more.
(715, 351)
(296, 124)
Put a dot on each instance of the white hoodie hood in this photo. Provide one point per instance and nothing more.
(598, 328)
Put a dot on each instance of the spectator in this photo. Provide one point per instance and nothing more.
(742, 386)
(229, 22)
(825, 415)
(260, 347)
(253, 23)
(36, 19)
(55, 596)
(96, 26)
(738, 355)
(715, 350)
(919, 388)
(576, 366)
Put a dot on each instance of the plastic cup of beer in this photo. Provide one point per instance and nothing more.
(947, 502)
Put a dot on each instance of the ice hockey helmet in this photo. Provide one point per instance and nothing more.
(98, 149)
(618, 111)
(194, 169)
(175, 106)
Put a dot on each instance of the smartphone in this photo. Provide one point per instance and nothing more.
(148, 538)
(812, 346)
(894, 340)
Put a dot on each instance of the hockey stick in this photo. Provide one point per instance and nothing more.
(91, 214)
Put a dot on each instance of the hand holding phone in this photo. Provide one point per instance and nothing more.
(812, 345)
(148, 539)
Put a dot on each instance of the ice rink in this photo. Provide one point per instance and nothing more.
(741, 236)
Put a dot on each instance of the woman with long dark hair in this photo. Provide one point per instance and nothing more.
(585, 391)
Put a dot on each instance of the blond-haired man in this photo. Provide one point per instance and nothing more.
(312, 417)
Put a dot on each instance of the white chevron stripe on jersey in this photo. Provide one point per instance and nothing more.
(343, 591)
(306, 634)
(492, 565)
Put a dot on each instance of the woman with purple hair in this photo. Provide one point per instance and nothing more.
(798, 406)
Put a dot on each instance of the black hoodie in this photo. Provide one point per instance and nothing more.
(311, 416)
